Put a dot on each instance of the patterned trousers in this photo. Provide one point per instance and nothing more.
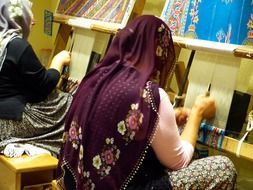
(214, 172)
(42, 124)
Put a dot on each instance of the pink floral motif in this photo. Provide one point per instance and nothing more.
(110, 154)
(128, 127)
(134, 118)
(74, 134)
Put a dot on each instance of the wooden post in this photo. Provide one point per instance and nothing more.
(61, 40)
(179, 74)
(138, 8)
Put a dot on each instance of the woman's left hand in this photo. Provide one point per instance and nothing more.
(181, 114)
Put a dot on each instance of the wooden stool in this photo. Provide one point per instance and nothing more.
(15, 173)
(54, 185)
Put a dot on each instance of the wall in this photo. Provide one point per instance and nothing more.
(154, 7)
(41, 42)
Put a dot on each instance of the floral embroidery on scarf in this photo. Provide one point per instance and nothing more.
(131, 125)
(80, 163)
(74, 135)
(134, 118)
(159, 51)
(145, 96)
(15, 9)
(163, 42)
(88, 184)
(107, 158)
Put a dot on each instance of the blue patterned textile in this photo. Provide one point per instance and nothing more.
(225, 21)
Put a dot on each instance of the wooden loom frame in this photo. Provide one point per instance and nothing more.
(229, 144)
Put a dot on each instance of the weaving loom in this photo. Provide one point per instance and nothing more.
(216, 29)
(93, 23)
(84, 27)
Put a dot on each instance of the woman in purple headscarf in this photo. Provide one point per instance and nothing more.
(121, 130)
(29, 112)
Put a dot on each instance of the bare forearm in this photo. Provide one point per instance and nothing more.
(190, 132)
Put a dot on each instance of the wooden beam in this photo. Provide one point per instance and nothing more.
(244, 51)
(230, 145)
(216, 47)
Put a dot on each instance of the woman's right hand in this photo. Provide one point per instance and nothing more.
(203, 108)
(60, 59)
(63, 57)
(206, 106)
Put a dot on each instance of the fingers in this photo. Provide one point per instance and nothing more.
(207, 105)
(65, 57)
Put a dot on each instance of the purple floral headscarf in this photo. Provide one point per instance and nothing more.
(113, 116)
(15, 20)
